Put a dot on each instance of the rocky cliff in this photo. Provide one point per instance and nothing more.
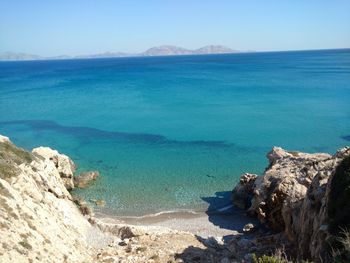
(40, 221)
(304, 198)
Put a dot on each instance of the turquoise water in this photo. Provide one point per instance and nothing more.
(168, 132)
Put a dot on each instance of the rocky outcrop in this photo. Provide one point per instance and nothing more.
(243, 192)
(38, 220)
(63, 164)
(4, 139)
(83, 180)
(292, 196)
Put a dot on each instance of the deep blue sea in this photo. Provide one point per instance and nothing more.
(168, 133)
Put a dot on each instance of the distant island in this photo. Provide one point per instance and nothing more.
(164, 50)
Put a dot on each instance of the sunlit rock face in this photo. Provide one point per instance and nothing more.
(292, 197)
(65, 166)
(38, 220)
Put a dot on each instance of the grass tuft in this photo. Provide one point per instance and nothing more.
(278, 257)
(10, 157)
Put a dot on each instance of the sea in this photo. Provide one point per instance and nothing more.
(175, 133)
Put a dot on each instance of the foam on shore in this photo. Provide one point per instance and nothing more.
(220, 223)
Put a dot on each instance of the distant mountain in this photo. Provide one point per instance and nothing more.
(165, 50)
(174, 50)
(105, 55)
(212, 49)
(18, 56)
(57, 57)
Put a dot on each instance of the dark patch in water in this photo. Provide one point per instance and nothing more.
(39, 125)
(346, 138)
(88, 133)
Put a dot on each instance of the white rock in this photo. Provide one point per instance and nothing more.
(41, 221)
(62, 162)
(4, 139)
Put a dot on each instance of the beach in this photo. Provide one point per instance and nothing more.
(297, 198)
(220, 224)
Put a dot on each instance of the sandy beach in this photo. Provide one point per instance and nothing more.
(227, 222)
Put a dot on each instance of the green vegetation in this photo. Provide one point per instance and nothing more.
(10, 157)
(340, 247)
(8, 151)
(278, 257)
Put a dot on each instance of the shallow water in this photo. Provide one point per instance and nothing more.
(166, 133)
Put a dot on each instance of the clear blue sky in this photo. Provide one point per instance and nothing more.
(73, 27)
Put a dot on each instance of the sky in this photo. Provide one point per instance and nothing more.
(77, 27)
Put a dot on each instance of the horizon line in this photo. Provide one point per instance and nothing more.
(139, 55)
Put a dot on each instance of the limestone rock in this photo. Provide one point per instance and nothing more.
(98, 202)
(63, 163)
(285, 183)
(83, 180)
(38, 221)
(243, 192)
(291, 197)
(4, 139)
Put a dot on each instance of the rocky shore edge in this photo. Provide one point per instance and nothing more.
(304, 201)
(301, 201)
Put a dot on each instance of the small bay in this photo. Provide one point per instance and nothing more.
(167, 133)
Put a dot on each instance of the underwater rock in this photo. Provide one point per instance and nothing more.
(85, 179)
(98, 202)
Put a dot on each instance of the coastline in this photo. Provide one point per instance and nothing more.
(155, 164)
(296, 199)
(221, 223)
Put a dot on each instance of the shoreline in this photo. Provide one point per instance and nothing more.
(221, 223)
(42, 219)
